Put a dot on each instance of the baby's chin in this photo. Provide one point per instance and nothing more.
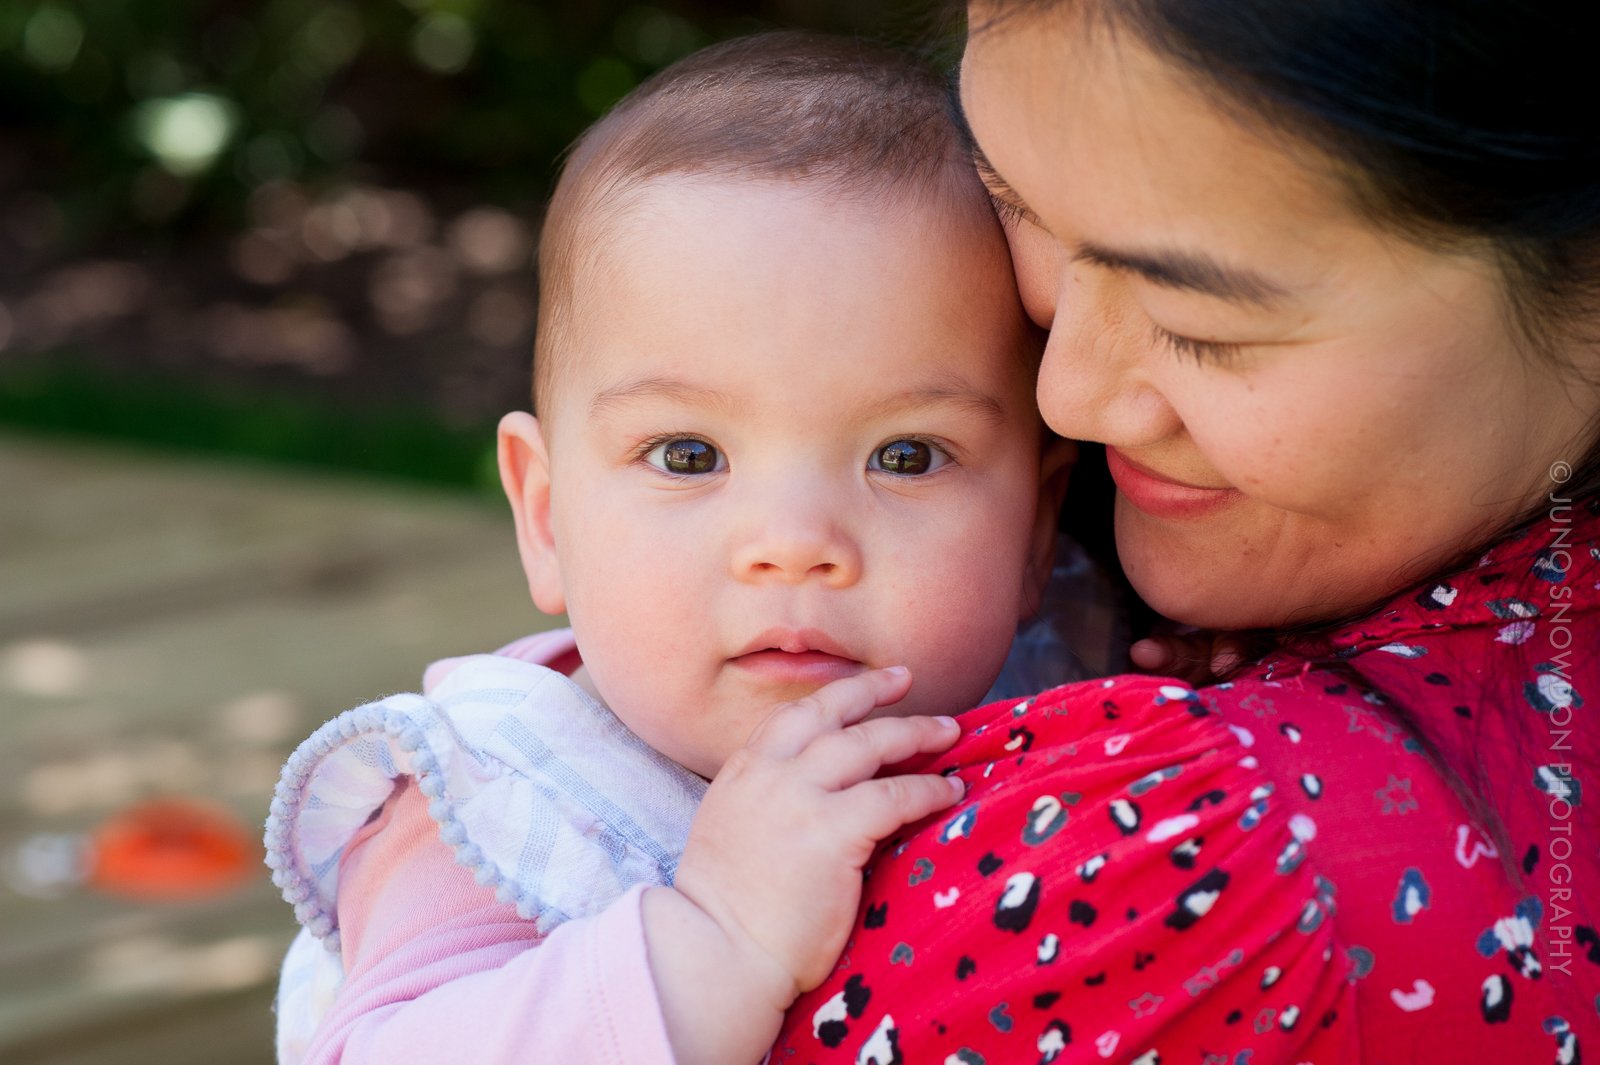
(701, 762)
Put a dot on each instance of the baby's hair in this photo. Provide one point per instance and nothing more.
(855, 119)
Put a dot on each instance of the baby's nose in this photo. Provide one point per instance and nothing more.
(799, 545)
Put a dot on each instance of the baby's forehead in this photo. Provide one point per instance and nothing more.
(728, 229)
(737, 280)
(651, 208)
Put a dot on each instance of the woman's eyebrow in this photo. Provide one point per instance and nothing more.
(1195, 273)
(1172, 269)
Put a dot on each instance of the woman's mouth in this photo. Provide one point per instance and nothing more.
(1163, 497)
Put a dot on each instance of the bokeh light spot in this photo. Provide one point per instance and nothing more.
(443, 42)
(489, 241)
(333, 36)
(46, 668)
(52, 38)
(186, 133)
(654, 36)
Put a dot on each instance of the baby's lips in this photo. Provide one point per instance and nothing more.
(797, 641)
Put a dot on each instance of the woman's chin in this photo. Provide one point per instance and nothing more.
(1211, 582)
(1204, 603)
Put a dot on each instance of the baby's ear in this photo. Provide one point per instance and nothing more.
(1055, 470)
(525, 475)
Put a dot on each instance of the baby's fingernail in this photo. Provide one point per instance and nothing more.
(957, 785)
(897, 671)
(1148, 653)
(947, 722)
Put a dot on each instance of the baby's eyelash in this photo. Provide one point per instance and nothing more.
(1200, 350)
(640, 452)
(643, 448)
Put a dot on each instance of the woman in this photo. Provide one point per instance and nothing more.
(1321, 277)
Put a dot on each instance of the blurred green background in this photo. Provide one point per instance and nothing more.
(302, 229)
(265, 287)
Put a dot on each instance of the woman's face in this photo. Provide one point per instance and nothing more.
(1303, 412)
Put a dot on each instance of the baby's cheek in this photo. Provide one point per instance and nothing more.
(956, 645)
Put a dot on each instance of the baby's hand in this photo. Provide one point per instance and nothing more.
(776, 850)
(775, 853)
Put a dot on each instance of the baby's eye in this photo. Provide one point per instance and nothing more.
(907, 458)
(686, 455)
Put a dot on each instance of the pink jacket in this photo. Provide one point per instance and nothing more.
(430, 954)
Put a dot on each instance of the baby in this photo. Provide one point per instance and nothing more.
(785, 456)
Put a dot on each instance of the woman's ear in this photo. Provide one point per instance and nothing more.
(525, 476)
(1055, 470)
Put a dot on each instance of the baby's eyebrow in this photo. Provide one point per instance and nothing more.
(657, 386)
(953, 394)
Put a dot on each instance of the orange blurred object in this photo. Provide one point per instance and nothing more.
(171, 849)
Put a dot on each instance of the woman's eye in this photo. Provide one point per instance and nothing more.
(1011, 214)
(907, 458)
(1199, 350)
(685, 455)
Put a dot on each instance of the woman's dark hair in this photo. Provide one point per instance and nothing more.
(1467, 123)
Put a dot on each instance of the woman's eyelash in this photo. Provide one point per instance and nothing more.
(1010, 213)
(1199, 350)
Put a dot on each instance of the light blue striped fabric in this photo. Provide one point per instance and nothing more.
(540, 791)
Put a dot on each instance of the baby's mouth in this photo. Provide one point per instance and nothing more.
(797, 657)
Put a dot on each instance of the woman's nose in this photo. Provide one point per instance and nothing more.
(1101, 375)
(798, 542)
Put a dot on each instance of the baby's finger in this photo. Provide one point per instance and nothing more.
(791, 727)
(1226, 656)
(1156, 654)
(1188, 657)
(876, 808)
(837, 760)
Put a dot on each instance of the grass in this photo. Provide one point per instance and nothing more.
(64, 395)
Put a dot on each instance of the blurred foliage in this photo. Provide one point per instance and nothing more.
(158, 117)
(65, 395)
(301, 229)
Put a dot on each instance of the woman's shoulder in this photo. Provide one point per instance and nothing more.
(1141, 866)
(1119, 864)
(1445, 907)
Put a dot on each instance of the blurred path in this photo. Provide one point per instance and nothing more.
(170, 626)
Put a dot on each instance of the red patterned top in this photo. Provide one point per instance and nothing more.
(1269, 870)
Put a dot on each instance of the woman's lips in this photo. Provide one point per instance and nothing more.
(1162, 497)
(788, 667)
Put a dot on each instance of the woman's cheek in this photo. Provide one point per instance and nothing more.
(1285, 454)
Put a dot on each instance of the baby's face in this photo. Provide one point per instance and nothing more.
(794, 439)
